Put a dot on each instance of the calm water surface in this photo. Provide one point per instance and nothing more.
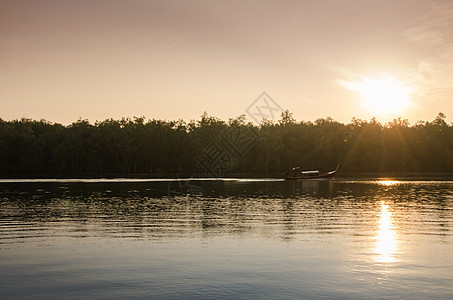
(247, 238)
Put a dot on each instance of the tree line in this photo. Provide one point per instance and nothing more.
(141, 147)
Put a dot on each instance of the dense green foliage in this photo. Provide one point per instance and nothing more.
(156, 147)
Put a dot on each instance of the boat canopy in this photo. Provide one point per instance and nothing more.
(310, 172)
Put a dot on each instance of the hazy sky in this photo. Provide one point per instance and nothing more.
(61, 60)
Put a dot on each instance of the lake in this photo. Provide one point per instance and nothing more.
(229, 239)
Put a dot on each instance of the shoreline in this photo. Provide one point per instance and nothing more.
(226, 176)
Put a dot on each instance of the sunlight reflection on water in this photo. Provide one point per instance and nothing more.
(388, 182)
(386, 244)
(249, 238)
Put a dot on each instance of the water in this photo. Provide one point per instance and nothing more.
(230, 239)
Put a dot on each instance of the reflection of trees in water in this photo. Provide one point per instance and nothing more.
(273, 210)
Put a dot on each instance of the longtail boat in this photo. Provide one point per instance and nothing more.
(296, 173)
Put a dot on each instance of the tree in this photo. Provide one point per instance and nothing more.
(132, 146)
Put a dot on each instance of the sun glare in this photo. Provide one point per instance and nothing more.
(382, 95)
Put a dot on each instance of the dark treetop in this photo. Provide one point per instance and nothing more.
(140, 147)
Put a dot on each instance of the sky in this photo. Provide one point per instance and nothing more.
(62, 60)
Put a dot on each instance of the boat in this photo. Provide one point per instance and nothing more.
(296, 173)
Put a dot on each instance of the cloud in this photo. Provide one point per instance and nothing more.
(434, 33)
(435, 27)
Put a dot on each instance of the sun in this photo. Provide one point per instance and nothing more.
(382, 95)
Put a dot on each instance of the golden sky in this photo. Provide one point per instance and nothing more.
(96, 59)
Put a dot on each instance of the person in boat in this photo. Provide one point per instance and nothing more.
(295, 171)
